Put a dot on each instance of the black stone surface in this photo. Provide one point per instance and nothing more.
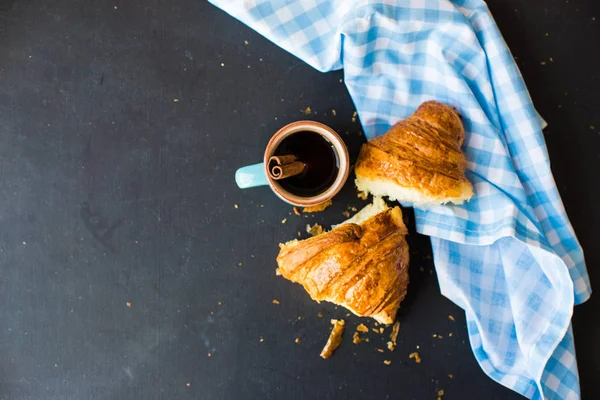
(123, 262)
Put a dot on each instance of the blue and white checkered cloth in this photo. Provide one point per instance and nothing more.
(509, 257)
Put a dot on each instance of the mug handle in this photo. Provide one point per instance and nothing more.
(251, 176)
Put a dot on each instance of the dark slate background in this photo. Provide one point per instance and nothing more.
(123, 261)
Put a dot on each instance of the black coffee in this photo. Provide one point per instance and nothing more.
(321, 161)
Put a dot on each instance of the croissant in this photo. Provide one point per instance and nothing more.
(360, 265)
(419, 160)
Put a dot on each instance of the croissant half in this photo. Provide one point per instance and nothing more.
(419, 160)
(361, 266)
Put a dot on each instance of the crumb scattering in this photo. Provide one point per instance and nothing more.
(335, 338)
(387, 362)
(394, 334)
(275, 301)
(317, 208)
(450, 317)
(354, 114)
(356, 339)
(296, 211)
(415, 356)
(362, 328)
(306, 111)
(314, 230)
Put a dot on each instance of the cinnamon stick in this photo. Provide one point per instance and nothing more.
(280, 160)
(285, 171)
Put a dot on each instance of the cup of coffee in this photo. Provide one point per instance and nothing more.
(305, 163)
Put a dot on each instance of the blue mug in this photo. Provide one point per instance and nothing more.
(257, 174)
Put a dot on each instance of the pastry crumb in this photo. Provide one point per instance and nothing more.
(380, 350)
(275, 301)
(333, 112)
(440, 392)
(363, 195)
(283, 221)
(306, 111)
(391, 346)
(362, 328)
(450, 317)
(346, 214)
(381, 330)
(314, 230)
(415, 356)
(189, 383)
(335, 338)
(394, 334)
(297, 340)
(209, 354)
(450, 334)
(387, 362)
(317, 208)
(296, 211)
(128, 304)
(235, 206)
(320, 314)
(356, 339)
(246, 42)
(262, 340)
(451, 376)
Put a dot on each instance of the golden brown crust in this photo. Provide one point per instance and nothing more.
(421, 152)
(361, 267)
(335, 338)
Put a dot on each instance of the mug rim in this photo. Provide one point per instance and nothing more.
(339, 147)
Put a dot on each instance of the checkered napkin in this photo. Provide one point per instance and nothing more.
(509, 257)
